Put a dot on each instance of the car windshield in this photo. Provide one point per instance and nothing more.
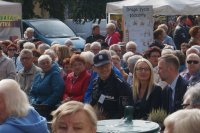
(53, 28)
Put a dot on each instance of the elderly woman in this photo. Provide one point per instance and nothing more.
(195, 36)
(192, 73)
(16, 114)
(183, 121)
(29, 34)
(131, 46)
(48, 86)
(12, 52)
(146, 94)
(112, 36)
(73, 117)
(77, 81)
(192, 97)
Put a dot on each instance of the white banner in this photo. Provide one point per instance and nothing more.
(10, 20)
(138, 23)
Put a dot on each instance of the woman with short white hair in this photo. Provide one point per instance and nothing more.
(183, 121)
(16, 114)
(29, 45)
(48, 86)
(113, 37)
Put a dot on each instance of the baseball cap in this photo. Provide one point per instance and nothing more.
(101, 59)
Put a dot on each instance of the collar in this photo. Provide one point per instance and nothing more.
(173, 84)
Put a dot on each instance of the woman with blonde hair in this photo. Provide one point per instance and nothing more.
(146, 94)
(183, 121)
(16, 114)
(74, 116)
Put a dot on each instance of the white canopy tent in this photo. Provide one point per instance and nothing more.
(160, 7)
(10, 17)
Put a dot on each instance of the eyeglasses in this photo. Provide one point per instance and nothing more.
(185, 105)
(192, 62)
(142, 69)
(12, 49)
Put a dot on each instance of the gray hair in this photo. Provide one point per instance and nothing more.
(88, 56)
(127, 55)
(111, 26)
(95, 44)
(68, 43)
(132, 61)
(112, 47)
(43, 47)
(131, 43)
(29, 45)
(16, 100)
(51, 53)
(44, 57)
(193, 93)
(26, 52)
(167, 51)
(184, 121)
(192, 50)
(29, 29)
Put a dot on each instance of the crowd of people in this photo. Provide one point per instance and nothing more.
(107, 75)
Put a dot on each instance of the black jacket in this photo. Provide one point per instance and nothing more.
(117, 94)
(181, 35)
(142, 107)
(180, 89)
(94, 38)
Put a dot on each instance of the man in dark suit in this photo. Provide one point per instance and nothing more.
(172, 94)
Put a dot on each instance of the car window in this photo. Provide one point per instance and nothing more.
(53, 28)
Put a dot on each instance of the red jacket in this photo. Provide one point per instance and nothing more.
(76, 87)
(113, 38)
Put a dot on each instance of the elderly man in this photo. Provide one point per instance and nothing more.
(26, 75)
(172, 95)
(131, 46)
(7, 67)
(95, 47)
(192, 73)
(113, 36)
(110, 94)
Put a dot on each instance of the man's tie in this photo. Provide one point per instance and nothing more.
(170, 91)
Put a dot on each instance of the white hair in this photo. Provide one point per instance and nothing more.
(95, 44)
(184, 121)
(29, 29)
(16, 100)
(112, 47)
(26, 52)
(167, 51)
(68, 43)
(111, 25)
(43, 47)
(127, 55)
(51, 53)
(193, 93)
(131, 43)
(29, 45)
(44, 57)
(88, 56)
(192, 50)
(132, 61)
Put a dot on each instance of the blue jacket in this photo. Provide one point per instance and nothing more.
(31, 123)
(47, 88)
(94, 75)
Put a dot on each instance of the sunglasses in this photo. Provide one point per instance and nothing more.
(192, 62)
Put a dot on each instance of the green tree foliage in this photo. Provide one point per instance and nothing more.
(78, 10)
(87, 10)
